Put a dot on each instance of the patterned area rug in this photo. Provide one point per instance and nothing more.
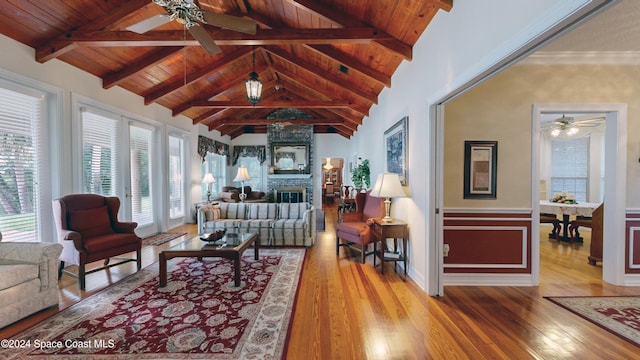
(161, 238)
(618, 314)
(199, 314)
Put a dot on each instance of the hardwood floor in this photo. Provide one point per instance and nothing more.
(348, 310)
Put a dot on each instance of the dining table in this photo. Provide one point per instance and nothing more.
(567, 210)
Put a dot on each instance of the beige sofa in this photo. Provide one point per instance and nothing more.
(277, 224)
(28, 279)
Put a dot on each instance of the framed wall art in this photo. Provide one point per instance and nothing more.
(480, 169)
(395, 149)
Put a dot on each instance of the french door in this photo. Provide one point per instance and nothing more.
(139, 180)
(118, 160)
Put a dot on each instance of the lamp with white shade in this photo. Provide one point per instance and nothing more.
(388, 186)
(208, 179)
(242, 176)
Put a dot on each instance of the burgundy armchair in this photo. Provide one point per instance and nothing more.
(355, 227)
(89, 230)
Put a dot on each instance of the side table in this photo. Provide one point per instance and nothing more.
(396, 230)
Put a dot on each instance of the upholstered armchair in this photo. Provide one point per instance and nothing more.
(355, 227)
(89, 230)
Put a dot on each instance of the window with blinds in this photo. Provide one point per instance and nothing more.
(140, 145)
(570, 167)
(176, 177)
(22, 114)
(100, 136)
(216, 165)
(255, 171)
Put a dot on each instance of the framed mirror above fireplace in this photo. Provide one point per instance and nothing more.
(288, 158)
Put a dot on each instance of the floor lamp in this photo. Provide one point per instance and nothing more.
(242, 176)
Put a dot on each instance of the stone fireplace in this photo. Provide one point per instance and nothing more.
(302, 183)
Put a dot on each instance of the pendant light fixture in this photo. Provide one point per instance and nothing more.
(254, 86)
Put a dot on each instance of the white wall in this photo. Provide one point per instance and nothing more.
(455, 47)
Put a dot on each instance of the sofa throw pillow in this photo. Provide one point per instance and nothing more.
(211, 212)
(90, 222)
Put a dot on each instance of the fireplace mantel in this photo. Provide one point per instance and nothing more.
(289, 176)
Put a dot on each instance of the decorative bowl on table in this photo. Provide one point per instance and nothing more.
(214, 236)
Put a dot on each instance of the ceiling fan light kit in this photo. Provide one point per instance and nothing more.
(568, 126)
(568, 131)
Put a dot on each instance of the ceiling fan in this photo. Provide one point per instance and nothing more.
(570, 125)
(187, 13)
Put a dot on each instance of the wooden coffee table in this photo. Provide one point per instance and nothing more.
(231, 246)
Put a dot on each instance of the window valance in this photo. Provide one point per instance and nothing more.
(257, 151)
(206, 145)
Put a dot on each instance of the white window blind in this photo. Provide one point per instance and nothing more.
(21, 114)
(216, 165)
(140, 145)
(570, 167)
(176, 177)
(255, 171)
(100, 136)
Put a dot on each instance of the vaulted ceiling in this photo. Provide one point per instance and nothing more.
(325, 61)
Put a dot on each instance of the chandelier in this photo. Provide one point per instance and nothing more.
(253, 84)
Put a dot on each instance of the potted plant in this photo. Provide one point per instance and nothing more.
(361, 174)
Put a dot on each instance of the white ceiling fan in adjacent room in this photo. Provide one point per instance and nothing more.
(187, 13)
(569, 126)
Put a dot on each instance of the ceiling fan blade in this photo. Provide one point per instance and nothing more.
(203, 37)
(230, 22)
(150, 23)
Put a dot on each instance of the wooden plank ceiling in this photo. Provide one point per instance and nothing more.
(329, 60)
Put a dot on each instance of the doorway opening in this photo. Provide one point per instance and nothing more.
(332, 179)
(613, 189)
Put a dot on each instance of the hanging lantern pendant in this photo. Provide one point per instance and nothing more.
(253, 84)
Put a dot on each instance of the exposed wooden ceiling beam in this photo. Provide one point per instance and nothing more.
(241, 130)
(224, 61)
(224, 89)
(229, 121)
(352, 63)
(330, 52)
(445, 5)
(312, 86)
(115, 78)
(58, 46)
(211, 116)
(293, 89)
(339, 18)
(306, 104)
(323, 129)
(221, 37)
(333, 79)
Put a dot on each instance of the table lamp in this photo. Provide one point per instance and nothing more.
(242, 176)
(387, 186)
(208, 179)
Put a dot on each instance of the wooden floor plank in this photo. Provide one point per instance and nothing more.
(348, 310)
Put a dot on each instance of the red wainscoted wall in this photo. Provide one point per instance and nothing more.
(487, 242)
(632, 241)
